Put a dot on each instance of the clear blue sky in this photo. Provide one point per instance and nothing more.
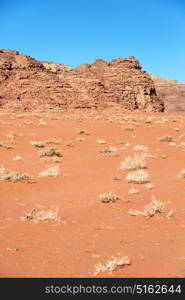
(78, 31)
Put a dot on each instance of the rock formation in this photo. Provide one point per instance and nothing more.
(120, 82)
(171, 92)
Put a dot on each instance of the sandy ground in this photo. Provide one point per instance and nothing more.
(88, 232)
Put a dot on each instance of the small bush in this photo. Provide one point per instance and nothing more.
(166, 138)
(43, 215)
(108, 197)
(52, 171)
(50, 152)
(133, 163)
(155, 207)
(53, 141)
(139, 176)
(14, 176)
(112, 265)
(38, 144)
(3, 145)
(54, 159)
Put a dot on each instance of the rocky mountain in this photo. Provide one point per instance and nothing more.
(171, 92)
(101, 84)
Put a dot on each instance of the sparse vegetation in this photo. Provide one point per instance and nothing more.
(14, 176)
(53, 141)
(54, 159)
(139, 177)
(108, 197)
(5, 146)
(128, 128)
(166, 138)
(50, 152)
(133, 163)
(155, 207)
(52, 171)
(43, 215)
(38, 144)
(110, 151)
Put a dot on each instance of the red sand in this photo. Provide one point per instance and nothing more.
(92, 232)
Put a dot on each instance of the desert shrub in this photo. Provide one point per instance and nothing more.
(166, 138)
(108, 197)
(50, 152)
(139, 176)
(52, 171)
(133, 163)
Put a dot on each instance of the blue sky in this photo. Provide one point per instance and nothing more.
(78, 31)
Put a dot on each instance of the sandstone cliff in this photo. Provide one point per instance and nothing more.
(120, 82)
(171, 92)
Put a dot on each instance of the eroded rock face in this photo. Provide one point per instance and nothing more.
(98, 85)
(171, 92)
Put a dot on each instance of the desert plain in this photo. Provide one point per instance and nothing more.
(68, 206)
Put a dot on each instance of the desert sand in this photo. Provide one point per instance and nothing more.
(77, 234)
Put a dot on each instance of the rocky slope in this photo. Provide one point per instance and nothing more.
(98, 85)
(171, 92)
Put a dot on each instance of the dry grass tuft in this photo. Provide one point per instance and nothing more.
(112, 265)
(133, 163)
(166, 138)
(53, 141)
(52, 171)
(38, 144)
(50, 152)
(108, 197)
(14, 176)
(139, 177)
(110, 151)
(54, 159)
(42, 215)
(128, 128)
(5, 146)
(152, 209)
